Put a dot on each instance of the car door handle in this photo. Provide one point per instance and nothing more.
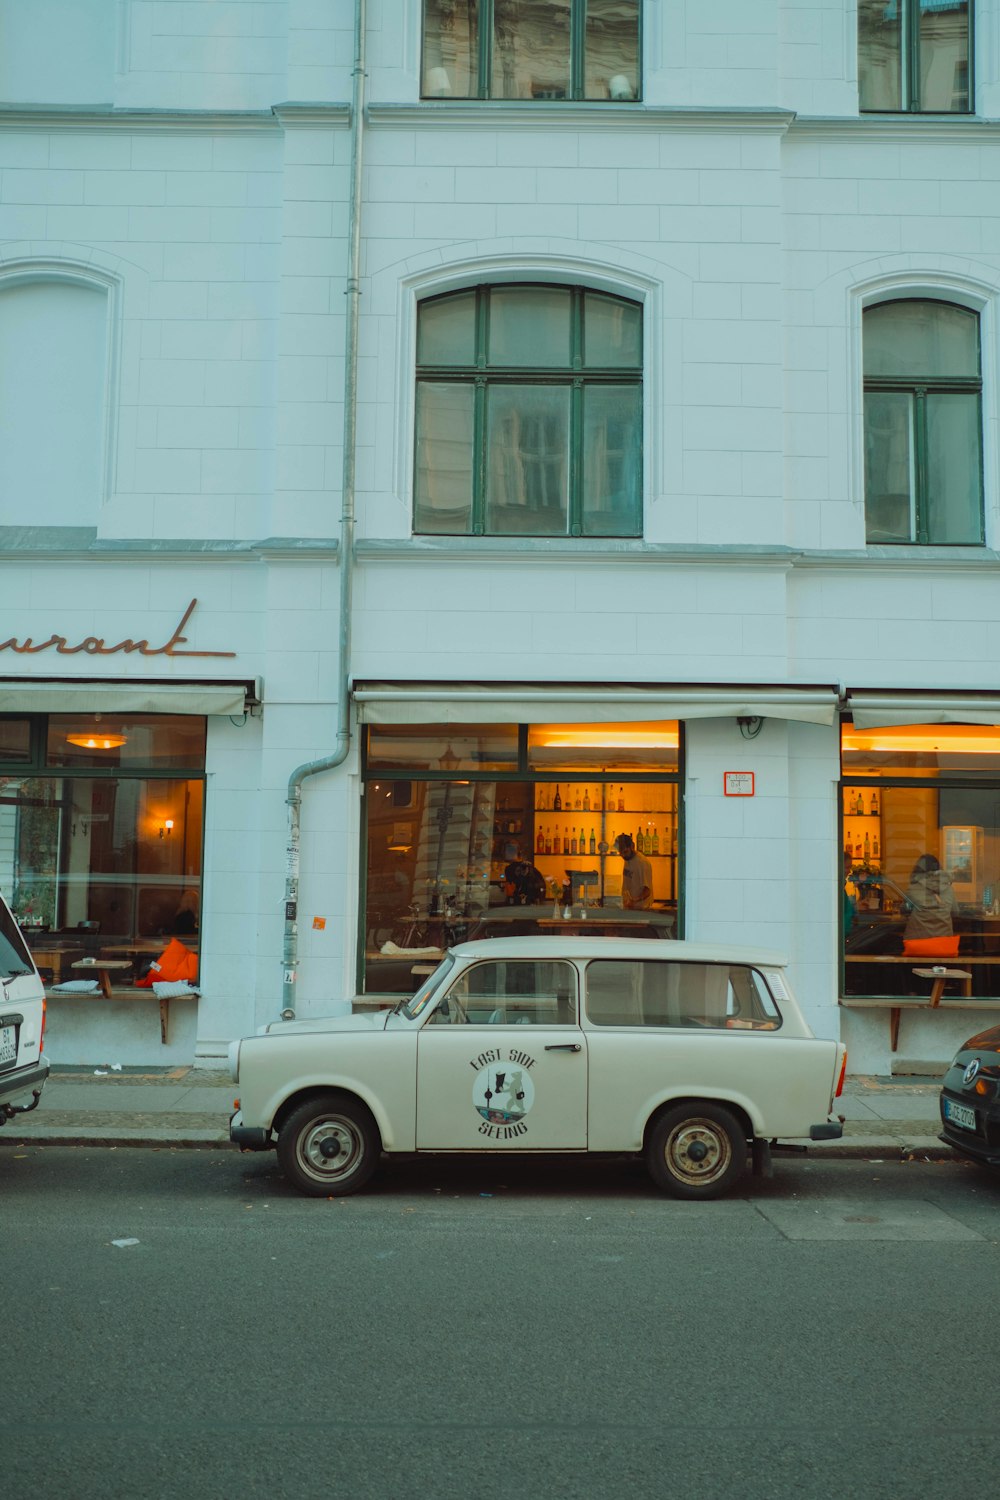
(563, 1047)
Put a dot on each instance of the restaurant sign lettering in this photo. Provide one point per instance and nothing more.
(95, 645)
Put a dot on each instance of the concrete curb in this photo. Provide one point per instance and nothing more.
(884, 1148)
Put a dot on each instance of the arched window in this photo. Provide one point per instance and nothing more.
(923, 423)
(53, 394)
(529, 413)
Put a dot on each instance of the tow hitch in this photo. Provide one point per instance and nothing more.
(8, 1111)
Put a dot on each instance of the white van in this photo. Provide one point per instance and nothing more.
(23, 1069)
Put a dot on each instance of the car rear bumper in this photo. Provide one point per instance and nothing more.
(249, 1137)
(830, 1130)
(15, 1086)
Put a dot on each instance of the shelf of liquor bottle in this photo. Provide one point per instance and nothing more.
(618, 812)
(586, 854)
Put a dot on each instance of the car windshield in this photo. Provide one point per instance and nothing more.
(414, 1005)
(14, 958)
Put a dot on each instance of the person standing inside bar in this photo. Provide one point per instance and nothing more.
(637, 875)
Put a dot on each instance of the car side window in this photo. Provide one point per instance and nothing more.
(648, 992)
(510, 992)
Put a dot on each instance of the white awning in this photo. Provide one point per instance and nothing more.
(880, 710)
(508, 703)
(19, 697)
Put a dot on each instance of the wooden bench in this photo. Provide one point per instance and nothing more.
(895, 1005)
(51, 993)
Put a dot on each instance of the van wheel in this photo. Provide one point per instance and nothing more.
(696, 1151)
(328, 1147)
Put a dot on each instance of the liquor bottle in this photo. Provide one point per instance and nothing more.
(572, 844)
(540, 842)
(548, 842)
(874, 806)
(593, 843)
(586, 800)
(557, 801)
(621, 799)
(638, 840)
(858, 851)
(656, 840)
(576, 801)
(556, 842)
(861, 805)
(875, 853)
(583, 842)
(868, 848)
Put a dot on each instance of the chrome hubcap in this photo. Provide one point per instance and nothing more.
(330, 1148)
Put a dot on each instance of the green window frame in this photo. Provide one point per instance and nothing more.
(915, 56)
(528, 413)
(923, 427)
(558, 50)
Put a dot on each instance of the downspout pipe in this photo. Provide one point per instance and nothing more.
(293, 801)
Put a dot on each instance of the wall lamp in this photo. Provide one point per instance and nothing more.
(166, 828)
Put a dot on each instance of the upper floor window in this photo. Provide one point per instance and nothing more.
(923, 423)
(529, 413)
(914, 55)
(531, 49)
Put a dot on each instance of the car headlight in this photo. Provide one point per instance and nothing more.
(234, 1061)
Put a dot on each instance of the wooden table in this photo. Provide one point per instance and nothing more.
(102, 969)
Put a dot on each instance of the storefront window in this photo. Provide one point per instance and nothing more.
(101, 853)
(921, 856)
(579, 837)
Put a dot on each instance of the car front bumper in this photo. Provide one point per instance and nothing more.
(981, 1144)
(249, 1137)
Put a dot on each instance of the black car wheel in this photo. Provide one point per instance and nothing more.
(329, 1146)
(697, 1150)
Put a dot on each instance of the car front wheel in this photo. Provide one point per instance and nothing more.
(328, 1147)
(696, 1150)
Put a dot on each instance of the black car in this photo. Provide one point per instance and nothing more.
(970, 1099)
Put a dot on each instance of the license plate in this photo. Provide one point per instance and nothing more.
(960, 1114)
(8, 1045)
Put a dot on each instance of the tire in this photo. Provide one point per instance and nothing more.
(697, 1150)
(329, 1147)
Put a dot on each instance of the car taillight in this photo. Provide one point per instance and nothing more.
(840, 1080)
(41, 1034)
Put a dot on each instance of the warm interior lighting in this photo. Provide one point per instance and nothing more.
(927, 739)
(608, 737)
(87, 740)
(166, 828)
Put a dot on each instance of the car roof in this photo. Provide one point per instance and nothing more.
(609, 947)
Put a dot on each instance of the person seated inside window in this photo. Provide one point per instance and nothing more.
(186, 916)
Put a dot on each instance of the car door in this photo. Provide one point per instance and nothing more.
(502, 1061)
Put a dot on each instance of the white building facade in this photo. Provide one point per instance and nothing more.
(668, 506)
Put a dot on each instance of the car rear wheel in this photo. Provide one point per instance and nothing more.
(696, 1150)
(328, 1147)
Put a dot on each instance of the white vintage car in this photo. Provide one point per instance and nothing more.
(694, 1056)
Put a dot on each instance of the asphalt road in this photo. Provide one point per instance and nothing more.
(469, 1329)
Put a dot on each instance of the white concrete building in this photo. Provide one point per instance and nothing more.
(674, 411)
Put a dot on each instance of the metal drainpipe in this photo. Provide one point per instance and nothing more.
(290, 956)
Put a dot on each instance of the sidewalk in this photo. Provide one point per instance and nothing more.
(190, 1107)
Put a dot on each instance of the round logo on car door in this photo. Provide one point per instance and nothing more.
(971, 1071)
(502, 1094)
